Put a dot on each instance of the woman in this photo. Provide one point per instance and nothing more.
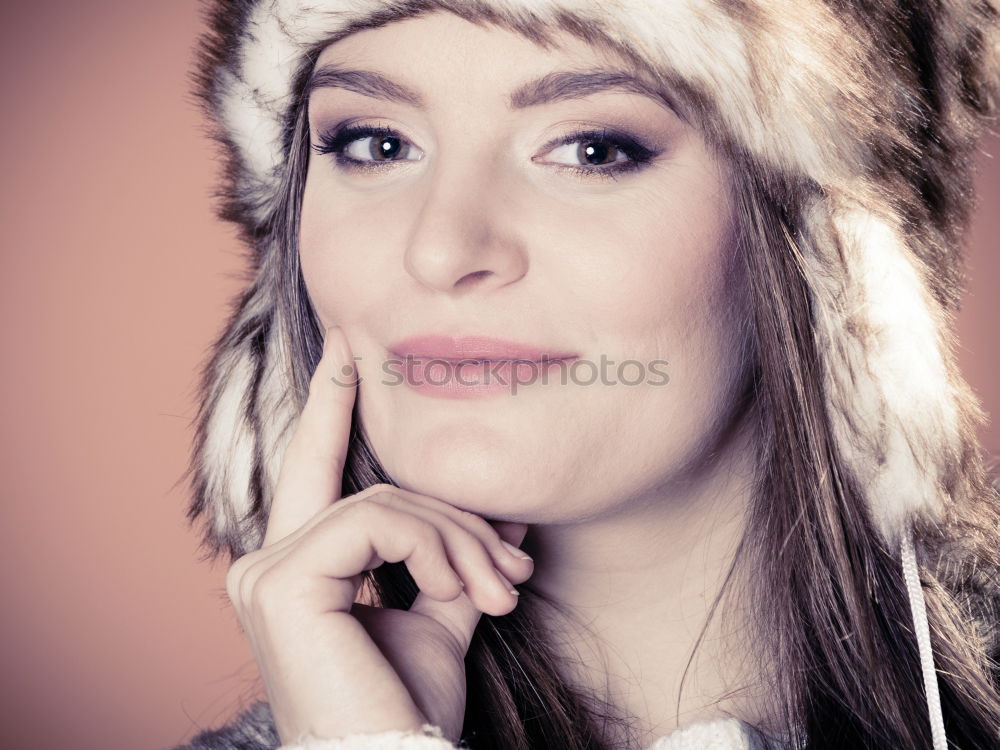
(658, 294)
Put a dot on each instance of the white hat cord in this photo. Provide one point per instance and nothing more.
(918, 607)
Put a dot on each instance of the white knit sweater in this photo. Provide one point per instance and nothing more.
(718, 734)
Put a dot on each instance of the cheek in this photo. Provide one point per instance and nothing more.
(337, 251)
(655, 276)
(655, 279)
(322, 234)
(673, 292)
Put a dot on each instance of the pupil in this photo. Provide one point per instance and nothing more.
(596, 152)
(385, 147)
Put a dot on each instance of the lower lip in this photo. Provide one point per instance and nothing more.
(480, 378)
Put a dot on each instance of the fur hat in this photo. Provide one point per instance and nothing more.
(874, 107)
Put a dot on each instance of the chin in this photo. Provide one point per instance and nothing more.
(488, 483)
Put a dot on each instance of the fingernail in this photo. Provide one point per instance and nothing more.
(518, 553)
(507, 585)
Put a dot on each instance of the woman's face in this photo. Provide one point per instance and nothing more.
(471, 211)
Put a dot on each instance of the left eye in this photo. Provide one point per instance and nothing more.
(600, 152)
(595, 153)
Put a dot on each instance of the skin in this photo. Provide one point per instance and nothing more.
(633, 497)
(331, 664)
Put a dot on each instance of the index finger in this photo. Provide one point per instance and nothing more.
(313, 465)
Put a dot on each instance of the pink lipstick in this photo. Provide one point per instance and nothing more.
(474, 366)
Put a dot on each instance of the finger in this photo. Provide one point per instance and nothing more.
(313, 465)
(461, 615)
(487, 584)
(325, 568)
(487, 587)
(475, 549)
(512, 532)
(511, 535)
(514, 563)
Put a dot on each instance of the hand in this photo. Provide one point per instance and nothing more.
(333, 666)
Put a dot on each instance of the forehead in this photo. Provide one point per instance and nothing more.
(468, 37)
(440, 53)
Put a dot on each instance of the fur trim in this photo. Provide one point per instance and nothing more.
(254, 730)
(876, 105)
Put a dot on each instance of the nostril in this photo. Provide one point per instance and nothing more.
(471, 277)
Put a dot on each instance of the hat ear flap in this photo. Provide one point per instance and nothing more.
(247, 415)
(902, 418)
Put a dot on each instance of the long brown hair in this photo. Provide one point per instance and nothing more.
(828, 608)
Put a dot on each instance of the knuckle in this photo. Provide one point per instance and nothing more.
(363, 515)
(266, 590)
(388, 498)
(236, 575)
(357, 510)
(478, 523)
(425, 533)
(372, 492)
(381, 490)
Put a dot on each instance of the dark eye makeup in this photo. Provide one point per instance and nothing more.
(597, 147)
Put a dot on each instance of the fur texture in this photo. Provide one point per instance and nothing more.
(872, 106)
(254, 730)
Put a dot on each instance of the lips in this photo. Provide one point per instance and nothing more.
(479, 348)
(476, 366)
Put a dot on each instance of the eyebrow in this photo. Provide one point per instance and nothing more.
(551, 87)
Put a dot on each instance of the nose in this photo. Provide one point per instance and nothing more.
(465, 236)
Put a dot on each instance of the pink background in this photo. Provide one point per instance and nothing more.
(115, 278)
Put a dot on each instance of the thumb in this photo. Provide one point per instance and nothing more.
(460, 616)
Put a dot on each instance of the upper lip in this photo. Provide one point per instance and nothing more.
(456, 348)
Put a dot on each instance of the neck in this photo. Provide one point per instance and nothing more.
(639, 587)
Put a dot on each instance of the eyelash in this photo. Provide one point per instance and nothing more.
(639, 156)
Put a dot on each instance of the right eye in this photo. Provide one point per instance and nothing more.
(366, 147)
